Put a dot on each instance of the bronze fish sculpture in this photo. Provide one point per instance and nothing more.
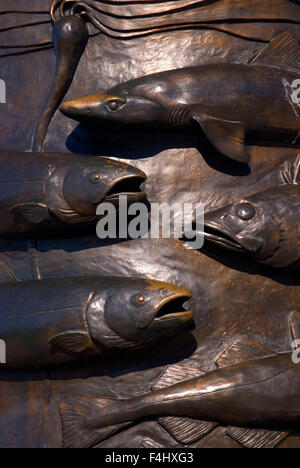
(56, 321)
(264, 226)
(247, 392)
(42, 191)
(230, 101)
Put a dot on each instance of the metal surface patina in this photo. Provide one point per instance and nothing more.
(145, 342)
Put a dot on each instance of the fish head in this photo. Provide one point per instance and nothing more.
(117, 105)
(135, 312)
(90, 181)
(256, 225)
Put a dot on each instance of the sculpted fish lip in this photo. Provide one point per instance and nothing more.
(172, 307)
(127, 185)
(216, 233)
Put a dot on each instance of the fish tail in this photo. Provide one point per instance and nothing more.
(76, 431)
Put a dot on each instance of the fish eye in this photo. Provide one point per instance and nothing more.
(95, 176)
(245, 211)
(114, 105)
(141, 299)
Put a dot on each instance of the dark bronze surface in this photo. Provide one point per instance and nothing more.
(251, 394)
(238, 304)
(39, 191)
(77, 318)
(256, 99)
(70, 37)
(264, 226)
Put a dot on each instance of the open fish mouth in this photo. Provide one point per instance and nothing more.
(173, 308)
(220, 236)
(128, 186)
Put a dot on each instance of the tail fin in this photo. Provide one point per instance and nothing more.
(73, 411)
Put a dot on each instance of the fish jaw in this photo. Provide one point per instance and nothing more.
(126, 186)
(221, 228)
(170, 308)
(217, 234)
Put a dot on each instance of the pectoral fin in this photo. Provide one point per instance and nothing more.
(35, 213)
(228, 137)
(75, 341)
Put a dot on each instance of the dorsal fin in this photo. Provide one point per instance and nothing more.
(242, 349)
(283, 51)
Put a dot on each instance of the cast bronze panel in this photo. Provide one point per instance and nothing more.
(184, 391)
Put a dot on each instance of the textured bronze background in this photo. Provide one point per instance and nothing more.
(231, 298)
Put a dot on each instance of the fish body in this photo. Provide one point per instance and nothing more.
(245, 394)
(62, 320)
(40, 191)
(248, 394)
(264, 226)
(230, 101)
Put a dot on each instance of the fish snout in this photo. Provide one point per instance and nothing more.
(127, 185)
(91, 107)
(82, 107)
(219, 231)
(169, 307)
(231, 237)
(74, 110)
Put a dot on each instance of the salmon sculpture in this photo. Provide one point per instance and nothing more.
(62, 190)
(264, 226)
(57, 321)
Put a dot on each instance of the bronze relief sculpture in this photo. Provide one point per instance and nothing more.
(89, 363)
(91, 316)
(262, 226)
(250, 394)
(48, 197)
(253, 100)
